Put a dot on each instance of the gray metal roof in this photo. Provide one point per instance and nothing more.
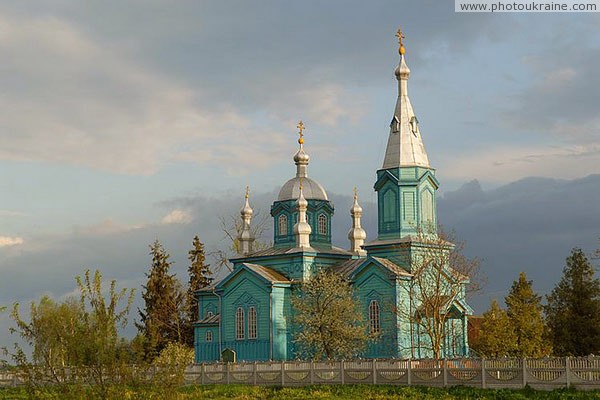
(210, 319)
(270, 274)
(311, 189)
(274, 251)
(405, 145)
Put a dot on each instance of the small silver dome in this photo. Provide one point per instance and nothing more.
(311, 189)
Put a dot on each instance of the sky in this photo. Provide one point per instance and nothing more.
(126, 122)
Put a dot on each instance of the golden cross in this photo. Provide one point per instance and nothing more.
(400, 36)
(300, 181)
(300, 126)
(355, 193)
(247, 192)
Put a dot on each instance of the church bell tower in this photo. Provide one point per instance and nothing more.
(406, 183)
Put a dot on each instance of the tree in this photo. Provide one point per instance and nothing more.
(573, 309)
(497, 336)
(164, 314)
(327, 318)
(441, 275)
(525, 314)
(199, 277)
(76, 345)
(231, 228)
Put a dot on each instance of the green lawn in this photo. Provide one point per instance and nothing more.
(361, 392)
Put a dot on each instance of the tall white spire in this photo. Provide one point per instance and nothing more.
(357, 234)
(405, 146)
(302, 229)
(246, 238)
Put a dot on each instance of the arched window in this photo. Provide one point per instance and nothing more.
(322, 224)
(240, 333)
(209, 314)
(282, 225)
(209, 336)
(252, 334)
(374, 317)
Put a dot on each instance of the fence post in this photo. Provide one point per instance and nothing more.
(227, 374)
(374, 371)
(445, 369)
(282, 372)
(342, 371)
(524, 362)
(202, 372)
(15, 380)
(255, 373)
(568, 370)
(483, 385)
(312, 372)
(409, 372)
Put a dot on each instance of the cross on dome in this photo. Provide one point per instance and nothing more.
(301, 128)
(400, 36)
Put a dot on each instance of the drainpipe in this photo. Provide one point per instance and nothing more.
(220, 322)
(271, 324)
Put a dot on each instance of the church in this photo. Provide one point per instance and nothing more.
(249, 311)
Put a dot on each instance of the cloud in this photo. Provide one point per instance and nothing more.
(11, 213)
(503, 164)
(177, 216)
(6, 241)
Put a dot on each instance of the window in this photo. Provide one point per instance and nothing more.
(209, 314)
(374, 317)
(252, 323)
(322, 224)
(209, 336)
(239, 324)
(282, 225)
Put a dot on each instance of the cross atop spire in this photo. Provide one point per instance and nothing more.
(400, 36)
(247, 192)
(300, 127)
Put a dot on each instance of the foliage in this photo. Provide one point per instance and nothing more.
(76, 343)
(573, 309)
(328, 318)
(171, 364)
(441, 275)
(199, 277)
(164, 315)
(497, 336)
(525, 314)
(332, 392)
(231, 228)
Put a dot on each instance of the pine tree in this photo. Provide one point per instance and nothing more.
(497, 336)
(162, 320)
(525, 314)
(199, 277)
(573, 310)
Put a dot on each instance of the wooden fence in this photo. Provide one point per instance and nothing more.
(546, 374)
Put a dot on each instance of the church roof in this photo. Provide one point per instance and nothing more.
(346, 268)
(405, 146)
(269, 274)
(210, 319)
(349, 267)
(276, 251)
(311, 189)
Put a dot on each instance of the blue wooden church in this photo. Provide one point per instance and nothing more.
(249, 310)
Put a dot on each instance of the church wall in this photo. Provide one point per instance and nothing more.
(246, 291)
(374, 283)
(281, 316)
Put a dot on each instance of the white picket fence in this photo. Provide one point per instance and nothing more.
(546, 374)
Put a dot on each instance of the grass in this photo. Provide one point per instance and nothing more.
(363, 392)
